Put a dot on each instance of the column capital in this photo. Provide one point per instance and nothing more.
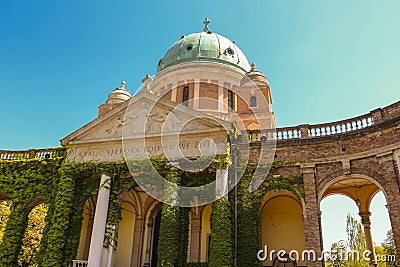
(365, 218)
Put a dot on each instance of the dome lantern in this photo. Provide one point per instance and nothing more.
(115, 98)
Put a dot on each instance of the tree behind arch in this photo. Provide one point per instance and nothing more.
(33, 236)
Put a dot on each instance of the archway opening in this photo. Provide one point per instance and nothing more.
(156, 237)
(126, 228)
(33, 236)
(86, 229)
(282, 228)
(205, 233)
(354, 218)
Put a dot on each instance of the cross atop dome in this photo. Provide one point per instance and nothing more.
(253, 66)
(206, 22)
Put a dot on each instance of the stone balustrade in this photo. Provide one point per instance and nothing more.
(26, 154)
(317, 130)
(340, 127)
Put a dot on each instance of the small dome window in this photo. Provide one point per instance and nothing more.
(185, 95)
(231, 101)
(230, 51)
(253, 101)
(189, 47)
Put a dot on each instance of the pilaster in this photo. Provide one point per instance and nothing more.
(312, 223)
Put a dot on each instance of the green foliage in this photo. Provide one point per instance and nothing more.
(183, 242)
(196, 264)
(248, 235)
(388, 252)
(352, 254)
(13, 235)
(221, 245)
(53, 247)
(174, 227)
(249, 216)
(65, 186)
(168, 244)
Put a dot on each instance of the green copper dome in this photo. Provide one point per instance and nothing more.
(204, 46)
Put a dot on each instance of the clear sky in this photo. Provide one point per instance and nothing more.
(325, 60)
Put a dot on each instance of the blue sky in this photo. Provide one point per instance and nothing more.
(325, 60)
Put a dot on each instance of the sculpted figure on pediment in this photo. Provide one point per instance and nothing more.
(136, 120)
(164, 120)
(114, 127)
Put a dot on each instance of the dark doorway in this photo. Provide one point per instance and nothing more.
(156, 236)
(287, 262)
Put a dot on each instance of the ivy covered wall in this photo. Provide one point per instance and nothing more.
(65, 187)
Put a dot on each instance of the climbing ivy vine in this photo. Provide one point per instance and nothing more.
(65, 186)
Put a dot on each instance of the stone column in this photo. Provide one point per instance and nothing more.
(222, 182)
(195, 238)
(366, 222)
(312, 225)
(147, 256)
(99, 224)
(137, 241)
(108, 253)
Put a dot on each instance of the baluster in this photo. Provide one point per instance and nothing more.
(364, 123)
(318, 131)
(354, 125)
